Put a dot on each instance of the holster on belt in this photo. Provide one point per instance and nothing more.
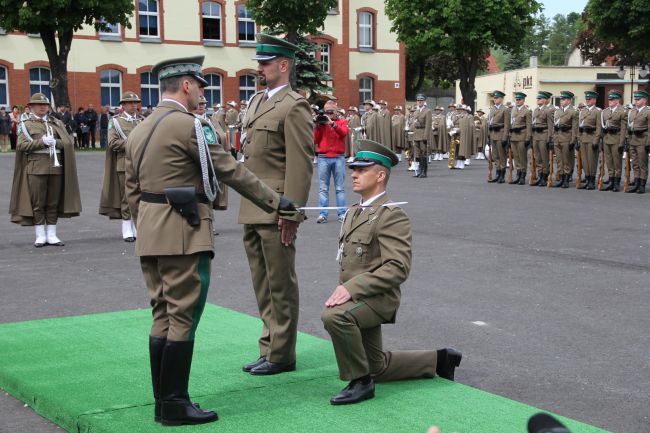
(183, 200)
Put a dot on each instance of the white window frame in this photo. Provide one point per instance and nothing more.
(43, 85)
(364, 92)
(252, 89)
(365, 27)
(326, 57)
(148, 87)
(147, 13)
(217, 18)
(111, 85)
(117, 32)
(5, 82)
(211, 88)
(247, 19)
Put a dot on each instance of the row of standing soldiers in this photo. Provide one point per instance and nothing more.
(567, 134)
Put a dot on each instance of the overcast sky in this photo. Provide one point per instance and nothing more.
(564, 7)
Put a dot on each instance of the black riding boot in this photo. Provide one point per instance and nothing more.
(156, 347)
(633, 186)
(176, 407)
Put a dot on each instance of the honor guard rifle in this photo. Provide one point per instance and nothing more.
(579, 158)
(549, 145)
(489, 143)
(601, 174)
(626, 149)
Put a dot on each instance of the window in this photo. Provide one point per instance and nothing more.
(325, 50)
(111, 87)
(211, 21)
(39, 82)
(245, 25)
(212, 91)
(150, 89)
(113, 29)
(148, 18)
(365, 89)
(4, 88)
(365, 29)
(246, 87)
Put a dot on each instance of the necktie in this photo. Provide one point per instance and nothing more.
(265, 98)
(357, 212)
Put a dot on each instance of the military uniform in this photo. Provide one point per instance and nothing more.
(369, 122)
(589, 127)
(409, 129)
(375, 259)
(279, 150)
(542, 127)
(112, 202)
(384, 122)
(480, 133)
(498, 128)
(466, 137)
(221, 202)
(170, 149)
(520, 136)
(354, 125)
(638, 122)
(439, 141)
(613, 124)
(398, 122)
(45, 185)
(421, 132)
(565, 125)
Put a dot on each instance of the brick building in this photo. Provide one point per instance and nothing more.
(360, 53)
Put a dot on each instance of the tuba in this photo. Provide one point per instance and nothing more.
(453, 145)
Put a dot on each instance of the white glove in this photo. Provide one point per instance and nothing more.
(49, 141)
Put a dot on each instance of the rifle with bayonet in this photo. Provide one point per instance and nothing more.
(549, 146)
(601, 174)
(489, 143)
(509, 147)
(532, 165)
(626, 149)
(579, 173)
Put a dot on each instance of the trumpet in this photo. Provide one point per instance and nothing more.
(52, 149)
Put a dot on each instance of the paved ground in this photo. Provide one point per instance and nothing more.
(560, 278)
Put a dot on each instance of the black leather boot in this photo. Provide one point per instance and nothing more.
(448, 360)
(633, 186)
(591, 183)
(560, 184)
(565, 183)
(616, 185)
(176, 407)
(425, 162)
(610, 184)
(544, 181)
(156, 347)
(641, 188)
(522, 179)
(516, 180)
(502, 176)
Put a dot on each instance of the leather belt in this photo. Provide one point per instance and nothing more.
(152, 197)
(538, 129)
(587, 129)
(495, 127)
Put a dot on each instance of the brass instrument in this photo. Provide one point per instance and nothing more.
(453, 145)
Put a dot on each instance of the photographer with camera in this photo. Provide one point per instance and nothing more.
(329, 136)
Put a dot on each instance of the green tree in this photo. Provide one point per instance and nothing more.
(616, 28)
(56, 21)
(439, 70)
(296, 19)
(464, 29)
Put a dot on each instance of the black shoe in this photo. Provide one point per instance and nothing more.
(616, 185)
(522, 180)
(448, 360)
(590, 186)
(560, 183)
(565, 183)
(610, 184)
(248, 367)
(515, 181)
(156, 347)
(641, 188)
(175, 405)
(268, 368)
(425, 161)
(355, 392)
(502, 176)
(129, 239)
(633, 186)
(544, 181)
(538, 181)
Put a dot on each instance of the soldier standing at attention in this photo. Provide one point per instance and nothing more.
(565, 123)
(384, 123)
(369, 121)
(421, 132)
(113, 202)
(410, 126)
(520, 135)
(589, 127)
(398, 122)
(638, 122)
(439, 142)
(498, 129)
(374, 259)
(542, 126)
(172, 163)
(45, 185)
(613, 125)
(354, 123)
(279, 150)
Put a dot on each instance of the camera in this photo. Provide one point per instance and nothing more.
(324, 116)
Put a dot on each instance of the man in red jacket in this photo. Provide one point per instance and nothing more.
(329, 136)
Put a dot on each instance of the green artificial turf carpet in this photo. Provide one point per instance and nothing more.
(90, 374)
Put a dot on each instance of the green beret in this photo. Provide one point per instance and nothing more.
(565, 94)
(498, 94)
(270, 47)
(640, 94)
(371, 153)
(420, 97)
(183, 66)
(544, 95)
(615, 94)
(39, 98)
(589, 94)
(520, 95)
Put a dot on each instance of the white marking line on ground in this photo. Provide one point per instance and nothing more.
(479, 323)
